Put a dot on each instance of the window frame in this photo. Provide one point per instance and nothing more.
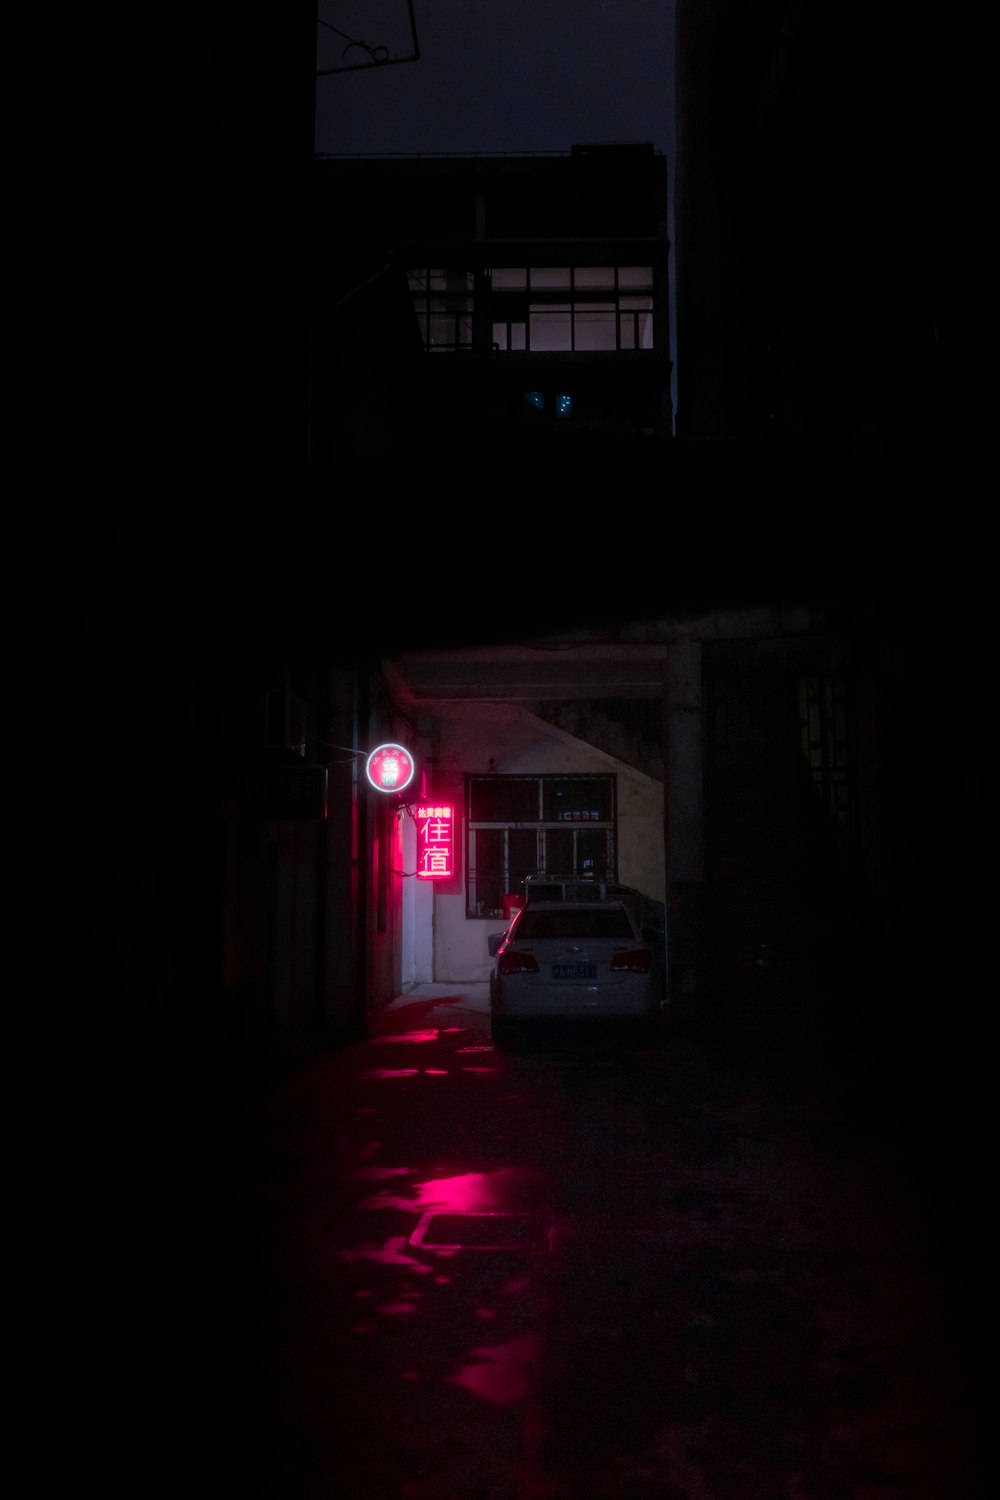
(543, 296)
(444, 300)
(589, 839)
(460, 300)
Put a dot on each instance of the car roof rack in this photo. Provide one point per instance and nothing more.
(564, 888)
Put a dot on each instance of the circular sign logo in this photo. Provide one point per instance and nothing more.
(390, 768)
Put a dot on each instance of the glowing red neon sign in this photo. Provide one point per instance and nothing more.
(435, 840)
(389, 768)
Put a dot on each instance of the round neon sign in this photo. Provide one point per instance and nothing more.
(389, 768)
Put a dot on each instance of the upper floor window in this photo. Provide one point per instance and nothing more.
(443, 302)
(536, 309)
(571, 309)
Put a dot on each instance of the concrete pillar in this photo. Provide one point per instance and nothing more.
(684, 815)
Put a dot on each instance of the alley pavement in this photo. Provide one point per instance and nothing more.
(417, 1268)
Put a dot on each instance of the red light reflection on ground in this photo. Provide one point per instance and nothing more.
(460, 1194)
(470, 1192)
(407, 1036)
(389, 1254)
(411, 1072)
(502, 1373)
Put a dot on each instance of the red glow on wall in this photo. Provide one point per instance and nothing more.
(435, 840)
(390, 768)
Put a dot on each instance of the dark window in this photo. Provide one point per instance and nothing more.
(486, 874)
(505, 799)
(577, 800)
(533, 825)
(443, 302)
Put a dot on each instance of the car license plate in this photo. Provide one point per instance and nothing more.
(574, 971)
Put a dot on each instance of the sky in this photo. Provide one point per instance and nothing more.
(494, 75)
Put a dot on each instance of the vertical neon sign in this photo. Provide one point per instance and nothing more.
(435, 840)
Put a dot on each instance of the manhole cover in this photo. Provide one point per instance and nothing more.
(443, 1231)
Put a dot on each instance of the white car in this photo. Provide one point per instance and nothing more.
(571, 961)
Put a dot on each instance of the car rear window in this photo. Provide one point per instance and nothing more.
(536, 923)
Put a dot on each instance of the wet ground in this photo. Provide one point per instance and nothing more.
(580, 1273)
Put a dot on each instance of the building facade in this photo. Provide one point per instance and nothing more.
(536, 285)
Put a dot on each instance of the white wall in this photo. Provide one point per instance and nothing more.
(423, 956)
(477, 738)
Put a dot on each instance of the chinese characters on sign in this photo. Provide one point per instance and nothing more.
(390, 768)
(435, 841)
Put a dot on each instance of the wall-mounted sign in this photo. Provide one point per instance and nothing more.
(435, 840)
(389, 768)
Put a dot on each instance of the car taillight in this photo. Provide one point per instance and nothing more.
(635, 961)
(517, 963)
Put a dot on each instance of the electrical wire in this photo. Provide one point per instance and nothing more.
(377, 54)
(379, 57)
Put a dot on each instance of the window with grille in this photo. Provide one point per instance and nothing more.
(536, 825)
